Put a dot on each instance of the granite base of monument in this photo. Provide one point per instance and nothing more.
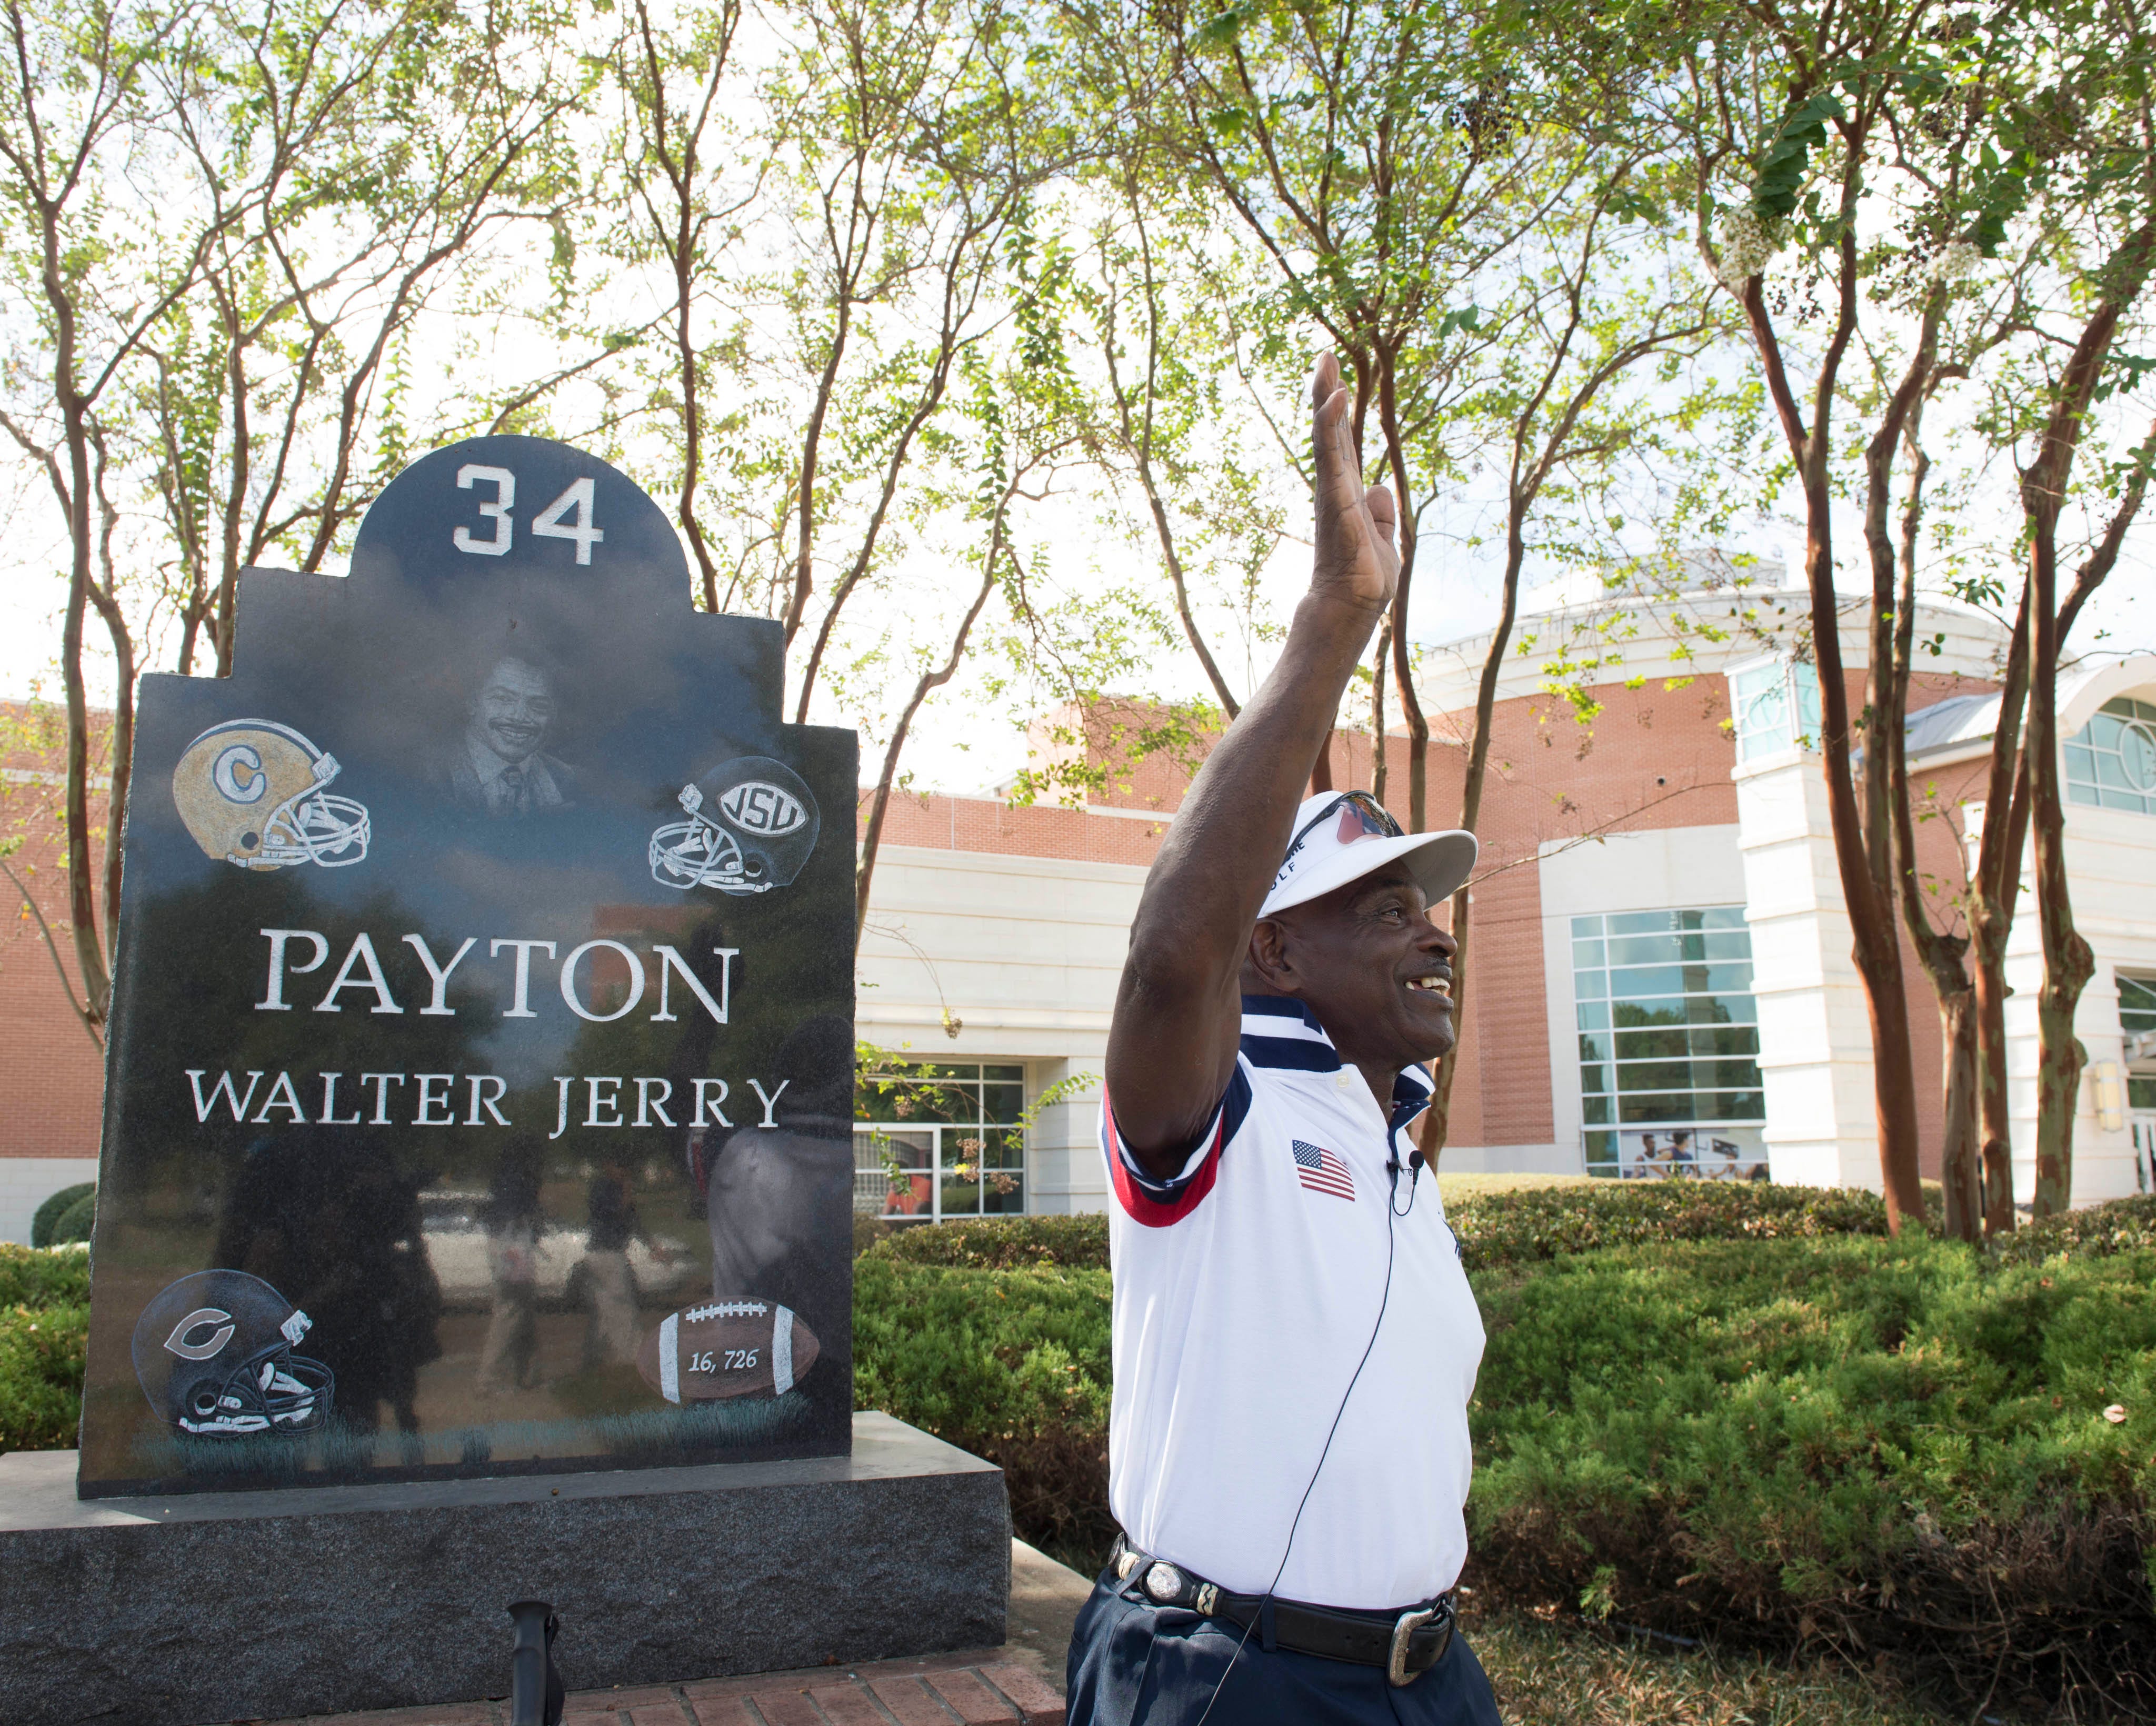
(172, 1611)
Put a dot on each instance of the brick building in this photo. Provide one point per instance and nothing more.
(1659, 973)
(1659, 976)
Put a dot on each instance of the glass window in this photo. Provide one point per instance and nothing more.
(1776, 707)
(2112, 763)
(2137, 1004)
(939, 1139)
(1669, 1042)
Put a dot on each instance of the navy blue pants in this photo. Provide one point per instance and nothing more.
(1136, 1664)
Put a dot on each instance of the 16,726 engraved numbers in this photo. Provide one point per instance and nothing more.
(725, 1360)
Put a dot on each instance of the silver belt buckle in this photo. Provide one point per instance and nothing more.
(1396, 1660)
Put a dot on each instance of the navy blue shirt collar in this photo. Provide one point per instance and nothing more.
(1292, 1038)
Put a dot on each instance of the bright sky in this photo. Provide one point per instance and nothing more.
(963, 742)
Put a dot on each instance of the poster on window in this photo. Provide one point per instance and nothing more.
(1689, 1153)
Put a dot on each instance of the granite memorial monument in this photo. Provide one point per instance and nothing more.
(478, 1110)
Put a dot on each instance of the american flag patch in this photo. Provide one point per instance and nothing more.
(1322, 1171)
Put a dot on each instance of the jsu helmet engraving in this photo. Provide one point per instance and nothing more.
(752, 825)
(214, 1355)
(254, 793)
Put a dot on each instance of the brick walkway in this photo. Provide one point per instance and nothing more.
(973, 1689)
(1016, 1684)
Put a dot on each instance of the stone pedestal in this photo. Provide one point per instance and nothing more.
(172, 1611)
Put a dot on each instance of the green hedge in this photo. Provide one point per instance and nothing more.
(1893, 1452)
(2123, 1226)
(993, 1244)
(1779, 1428)
(1521, 1226)
(41, 1354)
(1529, 1224)
(30, 1278)
(65, 1217)
(44, 1326)
(1011, 1365)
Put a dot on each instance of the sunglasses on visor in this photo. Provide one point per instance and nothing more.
(1375, 821)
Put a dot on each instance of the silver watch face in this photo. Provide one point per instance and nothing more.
(1163, 1582)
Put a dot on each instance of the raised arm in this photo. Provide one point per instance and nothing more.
(1178, 1011)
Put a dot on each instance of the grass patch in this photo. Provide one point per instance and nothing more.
(1548, 1673)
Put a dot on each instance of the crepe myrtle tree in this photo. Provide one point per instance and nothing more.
(1374, 155)
(831, 235)
(1852, 165)
(1794, 120)
(220, 220)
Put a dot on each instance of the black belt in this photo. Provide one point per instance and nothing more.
(1404, 1645)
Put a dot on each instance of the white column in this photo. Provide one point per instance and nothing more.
(1815, 1032)
(1063, 1151)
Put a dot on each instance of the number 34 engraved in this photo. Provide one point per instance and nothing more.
(556, 523)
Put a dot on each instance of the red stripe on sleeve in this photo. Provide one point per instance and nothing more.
(1139, 1206)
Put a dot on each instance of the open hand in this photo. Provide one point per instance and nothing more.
(1356, 561)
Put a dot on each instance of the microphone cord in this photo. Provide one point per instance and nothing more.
(1384, 1299)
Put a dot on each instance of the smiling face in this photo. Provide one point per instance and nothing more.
(513, 710)
(1367, 960)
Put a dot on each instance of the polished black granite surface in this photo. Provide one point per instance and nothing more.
(479, 1088)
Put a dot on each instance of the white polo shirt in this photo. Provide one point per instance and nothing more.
(1246, 1292)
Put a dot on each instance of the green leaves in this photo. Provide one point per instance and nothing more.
(1782, 168)
(2000, 193)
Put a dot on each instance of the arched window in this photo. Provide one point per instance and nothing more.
(2111, 762)
(1776, 706)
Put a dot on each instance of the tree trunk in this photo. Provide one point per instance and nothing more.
(1437, 1122)
(880, 802)
(2069, 962)
(1380, 661)
(1991, 921)
(1411, 713)
(1960, 1170)
(1874, 925)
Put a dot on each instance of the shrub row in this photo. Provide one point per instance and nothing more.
(1011, 1365)
(29, 1277)
(1896, 1451)
(41, 1355)
(66, 1217)
(993, 1243)
(1777, 1431)
(1736, 1412)
(2123, 1226)
(1525, 1226)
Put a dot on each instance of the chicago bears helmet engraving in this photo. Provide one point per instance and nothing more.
(752, 824)
(213, 1353)
(254, 793)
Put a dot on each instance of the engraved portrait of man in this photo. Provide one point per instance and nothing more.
(498, 767)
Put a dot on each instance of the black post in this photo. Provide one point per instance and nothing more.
(536, 1692)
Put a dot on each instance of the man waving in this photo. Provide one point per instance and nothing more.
(1295, 1339)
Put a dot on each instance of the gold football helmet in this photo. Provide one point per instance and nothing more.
(252, 792)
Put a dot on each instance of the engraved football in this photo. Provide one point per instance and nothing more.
(726, 1348)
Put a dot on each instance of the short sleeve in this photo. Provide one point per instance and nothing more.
(1157, 1203)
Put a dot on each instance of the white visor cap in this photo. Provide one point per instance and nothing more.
(1340, 842)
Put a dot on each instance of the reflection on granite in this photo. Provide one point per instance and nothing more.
(486, 965)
